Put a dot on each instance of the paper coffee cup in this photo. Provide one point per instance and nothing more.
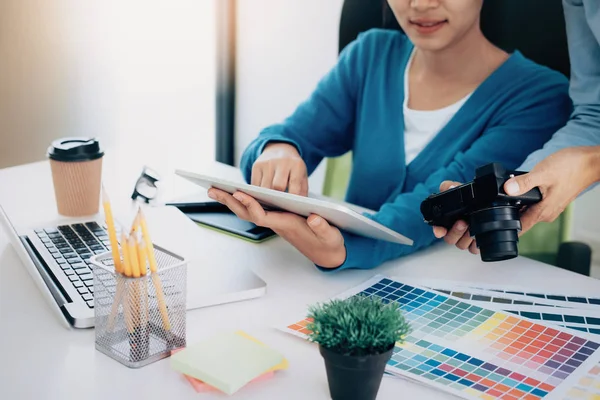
(76, 165)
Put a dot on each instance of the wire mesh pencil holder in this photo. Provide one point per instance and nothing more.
(140, 320)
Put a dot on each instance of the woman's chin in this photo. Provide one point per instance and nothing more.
(432, 44)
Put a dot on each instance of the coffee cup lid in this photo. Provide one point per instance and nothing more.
(75, 149)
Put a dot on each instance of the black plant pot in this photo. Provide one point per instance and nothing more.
(354, 377)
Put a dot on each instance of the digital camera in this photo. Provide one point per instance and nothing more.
(492, 215)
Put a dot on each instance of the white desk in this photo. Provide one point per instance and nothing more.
(41, 359)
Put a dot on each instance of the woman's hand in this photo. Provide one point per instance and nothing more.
(459, 235)
(320, 242)
(280, 167)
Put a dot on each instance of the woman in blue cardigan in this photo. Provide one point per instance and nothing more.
(415, 110)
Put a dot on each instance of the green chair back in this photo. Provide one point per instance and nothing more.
(540, 243)
(337, 176)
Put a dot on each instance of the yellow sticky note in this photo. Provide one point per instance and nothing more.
(283, 365)
(227, 361)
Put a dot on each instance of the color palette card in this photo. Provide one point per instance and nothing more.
(572, 311)
(510, 294)
(228, 361)
(476, 352)
(571, 318)
(562, 310)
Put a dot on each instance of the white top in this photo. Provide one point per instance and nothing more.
(420, 127)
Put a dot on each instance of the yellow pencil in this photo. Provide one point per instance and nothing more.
(146, 236)
(153, 269)
(135, 225)
(133, 256)
(142, 257)
(116, 302)
(161, 301)
(127, 284)
(142, 263)
(112, 233)
(126, 270)
(135, 269)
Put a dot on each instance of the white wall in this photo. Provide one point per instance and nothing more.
(140, 75)
(284, 48)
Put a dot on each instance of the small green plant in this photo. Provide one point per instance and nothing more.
(357, 326)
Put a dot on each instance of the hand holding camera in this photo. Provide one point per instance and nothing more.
(493, 216)
(459, 234)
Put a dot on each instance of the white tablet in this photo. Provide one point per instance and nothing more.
(336, 214)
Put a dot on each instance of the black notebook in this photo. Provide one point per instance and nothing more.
(214, 215)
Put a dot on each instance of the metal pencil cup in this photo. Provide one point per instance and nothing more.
(140, 320)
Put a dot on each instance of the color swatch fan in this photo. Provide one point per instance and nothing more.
(478, 353)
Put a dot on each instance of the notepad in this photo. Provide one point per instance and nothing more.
(202, 387)
(226, 361)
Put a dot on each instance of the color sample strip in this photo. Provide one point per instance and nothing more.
(584, 320)
(488, 297)
(580, 320)
(568, 299)
(588, 387)
(461, 371)
(502, 355)
(569, 318)
(458, 289)
(511, 292)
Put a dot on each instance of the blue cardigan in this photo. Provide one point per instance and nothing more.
(357, 107)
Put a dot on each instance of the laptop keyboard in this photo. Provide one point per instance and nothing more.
(72, 246)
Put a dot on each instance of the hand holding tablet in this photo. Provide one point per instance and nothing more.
(338, 215)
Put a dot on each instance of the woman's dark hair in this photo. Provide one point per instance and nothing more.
(389, 20)
(362, 15)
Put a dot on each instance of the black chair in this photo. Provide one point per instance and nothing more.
(534, 27)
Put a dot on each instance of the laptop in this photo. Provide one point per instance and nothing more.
(57, 256)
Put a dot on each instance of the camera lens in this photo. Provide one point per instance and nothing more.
(496, 231)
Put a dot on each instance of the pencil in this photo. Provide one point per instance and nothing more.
(142, 258)
(112, 233)
(133, 256)
(116, 302)
(121, 288)
(126, 270)
(161, 301)
(142, 263)
(135, 225)
(149, 247)
(135, 284)
(127, 284)
(154, 271)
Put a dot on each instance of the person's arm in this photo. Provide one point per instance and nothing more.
(583, 129)
(525, 127)
(568, 165)
(321, 126)
(560, 177)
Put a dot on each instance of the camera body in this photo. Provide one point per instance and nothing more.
(492, 215)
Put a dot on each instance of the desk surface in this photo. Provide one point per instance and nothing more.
(42, 359)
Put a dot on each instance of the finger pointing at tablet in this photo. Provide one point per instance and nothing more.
(280, 167)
